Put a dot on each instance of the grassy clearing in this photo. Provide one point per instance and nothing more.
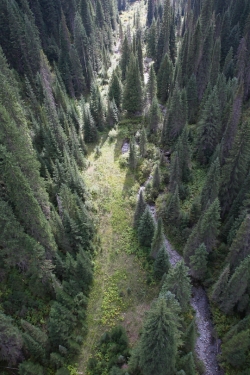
(117, 265)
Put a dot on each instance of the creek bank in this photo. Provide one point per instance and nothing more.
(207, 347)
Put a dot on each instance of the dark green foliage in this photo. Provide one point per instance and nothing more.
(152, 41)
(220, 285)
(173, 208)
(146, 228)
(189, 337)
(143, 142)
(151, 85)
(164, 78)
(178, 283)
(192, 99)
(156, 178)
(236, 286)
(115, 90)
(114, 346)
(30, 368)
(203, 73)
(209, 128)
(206, 230)
(125, 57)
(35, 340)
(157, 348)
(206, 15)
(162, 263)
(97, 107)
(154, 115)
(10, 341)
(187, 364)
(158, 238)
(210, 188)
(235, 168)
(175, 120)
(132, 97)
(215, 68)
(56, 360)
(140, 208)
(239, 249)
(235, 350)
(90, 131)
(175, 174)
(198, 262)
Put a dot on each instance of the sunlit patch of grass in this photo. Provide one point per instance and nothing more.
(120, 264)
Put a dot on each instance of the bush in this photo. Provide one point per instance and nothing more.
(112, 135)
(123, 160)
(56, 360)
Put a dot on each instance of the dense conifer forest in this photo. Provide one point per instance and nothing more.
(124, 187)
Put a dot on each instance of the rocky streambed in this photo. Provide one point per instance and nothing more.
(207, 346)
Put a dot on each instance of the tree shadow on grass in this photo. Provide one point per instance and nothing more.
(128, 183)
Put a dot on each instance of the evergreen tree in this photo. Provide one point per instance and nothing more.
(10, 341)
(175, 173)
(192, 99)
(30, 368)
(195, 50)
(140, 55)
(178, 283)
(236, 287)
(152, 41)
(163, 40)
(90, 131)
(239, 249)
(162, 264)
(158, 238)
(154, 115)
(205, 231)
(140, 208)
(151, 85)
(187, 364)
(203, 73)
(158, 344)
(35, 340)
(172, 41)
(225, 32)
(125, 57)
(150, 12)
(132, 98)
(176, 119)
(215, 68)
(115, 90)
(164, 78)
(173, 208)
(146, 228)
(235, 169)
(208, 128)
(189, 337)
(210, 188)
(221, 285)
(143, 142)
(156, 178)
(198, 262)
(206, 15)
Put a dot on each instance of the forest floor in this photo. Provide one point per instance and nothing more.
(117, 268)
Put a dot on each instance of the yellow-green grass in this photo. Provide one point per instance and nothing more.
(117, 267)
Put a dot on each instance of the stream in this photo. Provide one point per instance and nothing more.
(207, 347)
